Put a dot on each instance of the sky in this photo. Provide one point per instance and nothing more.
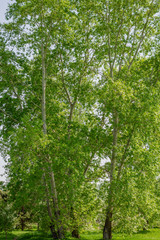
(3, 7)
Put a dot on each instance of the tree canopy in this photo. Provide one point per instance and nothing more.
(80, 113)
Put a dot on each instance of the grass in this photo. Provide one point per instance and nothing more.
(153, 234)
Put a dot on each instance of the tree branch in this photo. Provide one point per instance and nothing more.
(62, 78)
(116, 43)
(125, 151)
(143, 35)
(2, 110)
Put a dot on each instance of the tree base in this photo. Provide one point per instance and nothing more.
(75, 234)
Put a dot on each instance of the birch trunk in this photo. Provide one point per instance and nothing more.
(53, 183)
(52, 225)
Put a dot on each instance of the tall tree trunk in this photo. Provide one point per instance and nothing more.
(53, 231)
(56, 207)
(6, 234)
(107, 230)
(52, 225)
(53, 183)
(75, 231)
(22, 218)
(38, 226)
(43, 91)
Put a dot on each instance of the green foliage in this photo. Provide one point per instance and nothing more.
(7, 217)
(100, 75)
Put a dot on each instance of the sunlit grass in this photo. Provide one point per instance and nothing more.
(144, 235)
(153, 234)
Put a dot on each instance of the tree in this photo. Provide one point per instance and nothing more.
(83, 88)
(45, 61)
(6, 214)
(122, 42)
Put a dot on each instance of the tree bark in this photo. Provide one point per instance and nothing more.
(43, 91)
(107, 230)
(56, 207)
(6, 234)
(75, 231)
(59, 233)
(22, 219)
(38, 226)
(53, 232)
(52, 225)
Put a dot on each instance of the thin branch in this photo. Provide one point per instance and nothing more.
(90, 160)
(81, 77)
(8, 115)
(125, 151)
(114, 149)
(123, 53)
(134, 37)
(150, 78)
(143, 35)
(62, 78)
(18, 97)
(116, 43)
(109, 41)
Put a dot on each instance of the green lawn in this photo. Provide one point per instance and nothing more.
(144, 235)
(34, 235)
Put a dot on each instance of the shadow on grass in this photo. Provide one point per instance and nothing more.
(92, 232)
(27, 235)
(10, 236)
(34, 237)
(40, 235)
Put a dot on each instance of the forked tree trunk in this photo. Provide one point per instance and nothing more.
(53, 232)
